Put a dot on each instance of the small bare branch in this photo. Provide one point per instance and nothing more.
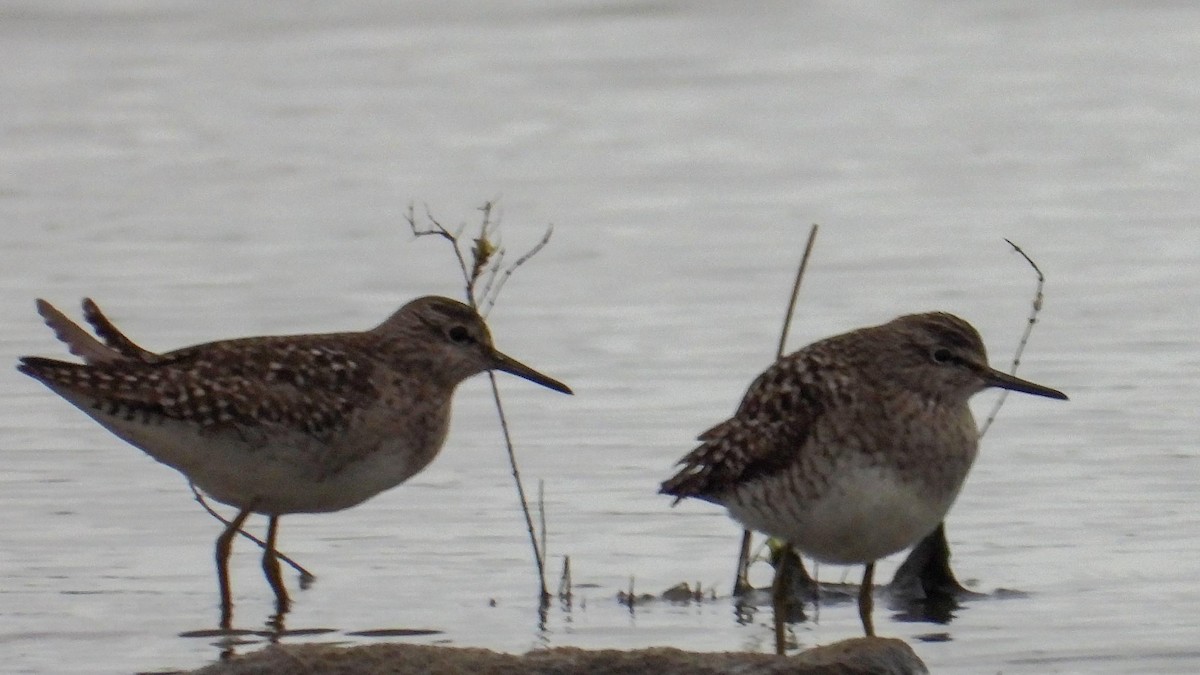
(565, 591)
(487, 261)
(741, 583)
(539, 557)
(1016, 360)
(437, 229)
(493, 271)
(787, 319)
(541, 507)
(482, 248)
(508, 272)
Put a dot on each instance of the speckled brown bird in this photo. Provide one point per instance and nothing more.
(854, 447)
(282, 424)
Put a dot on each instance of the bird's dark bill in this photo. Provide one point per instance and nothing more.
(515, 367)
(1013, 383)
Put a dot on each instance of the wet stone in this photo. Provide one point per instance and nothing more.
(858, 656)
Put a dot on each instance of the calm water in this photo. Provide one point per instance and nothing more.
(212, 170)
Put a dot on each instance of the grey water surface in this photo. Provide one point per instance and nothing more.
(217, 169)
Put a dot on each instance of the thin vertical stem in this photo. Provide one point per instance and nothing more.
(486, 255)
(741, 581)
(1016, 360)
(516, 473)
(787, 319)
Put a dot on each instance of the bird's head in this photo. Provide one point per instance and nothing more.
(455, 341)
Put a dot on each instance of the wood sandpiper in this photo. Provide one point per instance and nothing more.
(282, 424)
(854, 447)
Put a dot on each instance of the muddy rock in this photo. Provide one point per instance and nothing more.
(859, 656)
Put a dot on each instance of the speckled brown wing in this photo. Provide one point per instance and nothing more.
(301, 383)
(733, 451)
(772, 423)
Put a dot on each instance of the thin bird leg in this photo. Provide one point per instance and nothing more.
(866, 599)
(741, 582)
(306, 577)
(224, 545)
(780, 599)
(270, 565)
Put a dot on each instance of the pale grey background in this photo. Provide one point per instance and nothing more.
(209, 170)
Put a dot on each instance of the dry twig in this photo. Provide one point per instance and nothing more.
(741, 582)
(1016, 360)
(487, 263)
(565, 590)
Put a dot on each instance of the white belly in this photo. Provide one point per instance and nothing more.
(292, 473)
(282, 486)
(865, 514)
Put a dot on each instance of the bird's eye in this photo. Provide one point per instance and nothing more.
(941, 355)
(460, 335)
